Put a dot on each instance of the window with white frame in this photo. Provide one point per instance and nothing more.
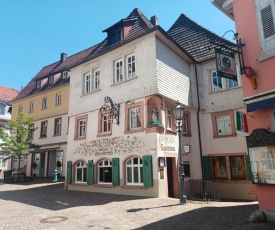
(115, 36)
(31, 107)
(265, 11)
(44, 103)
(38, 84)
(184, 124)
(87, 83)
(134, 171)
(118, 71)
(105, 123)
(31, 133)
(169, 118)
(50, 80)
(44, 126)
(81, 172)
(130, 66)
(223, 125)
(219, 83)
(135, 118)
(20, 109)
(122, 73)
(58, 99)
(81, 131)
(2, 109)
(96, 80)
(105, 171)
(64, 74)
(57, 126)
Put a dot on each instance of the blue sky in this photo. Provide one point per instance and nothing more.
(35, 32)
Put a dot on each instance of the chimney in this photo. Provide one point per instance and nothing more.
(63, 57)
(154, 20)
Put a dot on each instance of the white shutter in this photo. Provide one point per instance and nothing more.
(265, 10)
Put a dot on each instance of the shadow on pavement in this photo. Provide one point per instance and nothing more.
(210, 218)
(55, 197)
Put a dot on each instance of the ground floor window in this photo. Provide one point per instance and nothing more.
(229, 167)
(105, 171)
(134, 171)
(81, 172)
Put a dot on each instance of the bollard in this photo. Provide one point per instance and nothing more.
(55, 176)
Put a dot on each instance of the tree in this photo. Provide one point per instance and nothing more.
(16, 138)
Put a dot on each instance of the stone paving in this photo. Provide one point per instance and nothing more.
(46, 205)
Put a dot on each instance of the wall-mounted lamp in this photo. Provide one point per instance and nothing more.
(162, 162)
(113, 107)
(187, 148)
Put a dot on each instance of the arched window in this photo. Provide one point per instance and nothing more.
(81, 172)
(134, 171)
(105, 171)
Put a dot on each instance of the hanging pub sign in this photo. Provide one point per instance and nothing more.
(225, 63)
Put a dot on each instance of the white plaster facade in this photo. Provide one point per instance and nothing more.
(162, 76)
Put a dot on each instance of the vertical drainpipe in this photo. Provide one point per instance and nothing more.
(198, 118)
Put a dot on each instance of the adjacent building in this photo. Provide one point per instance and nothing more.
(256, 31)
(6, 95)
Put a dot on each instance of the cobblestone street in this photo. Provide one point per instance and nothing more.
(48, 206)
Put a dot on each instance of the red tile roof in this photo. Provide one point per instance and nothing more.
(7, 94)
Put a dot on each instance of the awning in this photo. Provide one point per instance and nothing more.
(44, 150)
(261, 104)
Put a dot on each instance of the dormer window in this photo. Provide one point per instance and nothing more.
(115, 37)
(38, 84)
(64, 75)
(50, 80)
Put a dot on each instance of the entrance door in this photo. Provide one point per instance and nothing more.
(170, 177)
(38, 165)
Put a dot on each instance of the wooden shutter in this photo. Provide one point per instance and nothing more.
(147, 171)
(69, 172)
(115, 172)
(265, 10)
(90, 172)
(207, 168)
(248, 168)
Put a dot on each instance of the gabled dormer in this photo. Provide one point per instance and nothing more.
(135, 24)
(118, 32)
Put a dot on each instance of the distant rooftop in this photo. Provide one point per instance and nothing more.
(7, 94)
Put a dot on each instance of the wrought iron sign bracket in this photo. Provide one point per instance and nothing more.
(113, 109)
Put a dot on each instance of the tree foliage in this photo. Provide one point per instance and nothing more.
(16, 138)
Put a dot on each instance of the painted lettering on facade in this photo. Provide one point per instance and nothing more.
(110, 146)
(167, 143)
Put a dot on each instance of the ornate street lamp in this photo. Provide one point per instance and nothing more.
(178, 113)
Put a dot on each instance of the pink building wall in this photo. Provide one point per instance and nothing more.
(247, 27)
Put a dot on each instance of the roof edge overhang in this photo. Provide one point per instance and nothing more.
(223, 7)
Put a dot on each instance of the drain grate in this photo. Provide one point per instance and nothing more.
(54, 219)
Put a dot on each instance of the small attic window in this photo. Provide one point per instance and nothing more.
(6, 96)
(50, 80)
(38, 84)
(64, 74)
(115, 36)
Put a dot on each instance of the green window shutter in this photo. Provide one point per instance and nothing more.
(115, 172)
(147, 171)
(69, 172)
(90, 172)
(248, 168)
(207, 168)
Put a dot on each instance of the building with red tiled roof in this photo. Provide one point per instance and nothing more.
(6, 95)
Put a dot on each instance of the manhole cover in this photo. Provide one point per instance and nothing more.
(54, 219)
